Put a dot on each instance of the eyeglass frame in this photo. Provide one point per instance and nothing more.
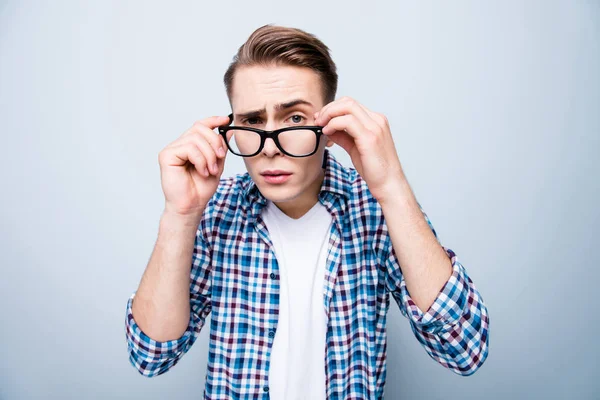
(223, 129)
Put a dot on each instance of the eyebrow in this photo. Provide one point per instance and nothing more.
(278, 107)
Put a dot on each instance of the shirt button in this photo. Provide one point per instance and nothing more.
(272, 275)
(271, 333)
(266, 388)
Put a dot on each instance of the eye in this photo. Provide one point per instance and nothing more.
(252, 121)
(247, 121)
(299, 116)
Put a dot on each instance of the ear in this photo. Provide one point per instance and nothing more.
(329, 143)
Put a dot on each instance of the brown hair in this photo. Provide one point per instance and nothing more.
(278, 45)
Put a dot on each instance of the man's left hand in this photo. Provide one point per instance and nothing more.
(366, 137)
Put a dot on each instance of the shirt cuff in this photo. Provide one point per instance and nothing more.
(449, 305)
(144, 348)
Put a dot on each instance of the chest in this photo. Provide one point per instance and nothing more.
(246, 280)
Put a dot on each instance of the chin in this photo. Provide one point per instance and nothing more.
(278, 195)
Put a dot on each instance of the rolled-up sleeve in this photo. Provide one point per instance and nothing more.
(454, 330)
(151, 357)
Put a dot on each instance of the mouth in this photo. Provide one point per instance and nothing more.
(276, 176)
(275, 173)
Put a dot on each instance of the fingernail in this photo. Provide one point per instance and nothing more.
(205, 171)
(215, 168)
(221, 151)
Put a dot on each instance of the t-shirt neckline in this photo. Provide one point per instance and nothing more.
(289, 219)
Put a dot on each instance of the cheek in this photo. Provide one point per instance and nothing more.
(247, 164)
(310, 171)
(250, 166)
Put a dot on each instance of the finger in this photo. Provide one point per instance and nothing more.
(208, 152)
(199, 128)
(347, 122)
(185, 153)
(214, 139)
(347, 106)
(342, 139)
(322, 111)
(197, 158)
(378, 118)
(214, 122)
(228, 135)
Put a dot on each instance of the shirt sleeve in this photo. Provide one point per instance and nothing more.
(454, 330)
(151, 357)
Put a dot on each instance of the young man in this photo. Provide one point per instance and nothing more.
(296, 258)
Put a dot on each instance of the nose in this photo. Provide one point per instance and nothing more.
(270, 125)
(270, 148)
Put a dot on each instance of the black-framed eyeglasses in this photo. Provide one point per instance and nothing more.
(294, 141)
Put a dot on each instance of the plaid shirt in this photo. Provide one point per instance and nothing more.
(234, 276)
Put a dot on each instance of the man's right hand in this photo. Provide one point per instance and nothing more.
(188, 176)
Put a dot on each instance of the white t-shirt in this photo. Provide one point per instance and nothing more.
(297, 362)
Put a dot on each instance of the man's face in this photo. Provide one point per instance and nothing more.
(259, 88)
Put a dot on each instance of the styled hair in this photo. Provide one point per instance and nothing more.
(277, 45)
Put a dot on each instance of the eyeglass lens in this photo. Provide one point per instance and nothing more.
(297, 142)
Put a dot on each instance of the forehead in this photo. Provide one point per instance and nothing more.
(259, 87)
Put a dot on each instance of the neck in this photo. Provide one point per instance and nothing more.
(299, 206)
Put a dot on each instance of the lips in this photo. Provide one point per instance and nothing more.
(277, 179)
(275, 173)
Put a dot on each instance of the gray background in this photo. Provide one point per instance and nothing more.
(494, 108)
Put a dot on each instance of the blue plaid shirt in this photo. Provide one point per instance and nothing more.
(235, 277)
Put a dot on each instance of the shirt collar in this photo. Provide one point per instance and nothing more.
(336, 181)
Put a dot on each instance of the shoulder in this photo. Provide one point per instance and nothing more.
(360, 198)
(225, 202)
(365, 215)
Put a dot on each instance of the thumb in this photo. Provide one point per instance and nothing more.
(342, 139)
